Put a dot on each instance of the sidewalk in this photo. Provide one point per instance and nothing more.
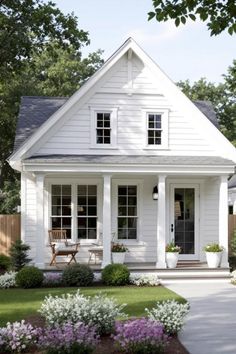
(210, 327)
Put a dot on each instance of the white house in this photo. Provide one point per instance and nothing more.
(90, 164)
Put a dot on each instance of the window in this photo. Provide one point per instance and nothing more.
(61, 208)
(103, 128)
(127, 212)
(87, 211)
(154, 129)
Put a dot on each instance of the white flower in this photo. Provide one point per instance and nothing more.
(7, 280)
(144, 279)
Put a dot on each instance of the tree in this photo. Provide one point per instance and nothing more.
(220, 97)
(40, 54)
(26, 25)
(219, 14)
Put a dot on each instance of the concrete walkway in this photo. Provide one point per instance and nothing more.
(210, 327)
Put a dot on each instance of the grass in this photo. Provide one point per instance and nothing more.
(18, 304)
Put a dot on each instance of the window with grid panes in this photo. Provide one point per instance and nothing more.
(127, 212)
(61, 208)
(103, 128)
(87, 211)
(154, 129)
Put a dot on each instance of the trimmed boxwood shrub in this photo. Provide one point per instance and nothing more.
(115, 274)
(5, 263)
(77, 275)
(29, 277)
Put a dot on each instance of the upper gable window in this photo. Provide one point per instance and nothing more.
(157, 129)
(103, 127)
(103, 133)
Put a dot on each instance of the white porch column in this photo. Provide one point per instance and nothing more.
(40, 237)
(161, 222)
(223, 219)
(106, 220)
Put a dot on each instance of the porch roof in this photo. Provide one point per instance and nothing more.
(132, 160)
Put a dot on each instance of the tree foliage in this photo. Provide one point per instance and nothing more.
(221, 96)
(218, 14)
(40, 54)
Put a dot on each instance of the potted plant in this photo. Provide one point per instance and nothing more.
(118, 252)
(172, 254)
(213, 254)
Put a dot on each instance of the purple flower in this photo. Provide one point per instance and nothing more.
(140, 336)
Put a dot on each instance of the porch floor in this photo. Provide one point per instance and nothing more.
(184, 270)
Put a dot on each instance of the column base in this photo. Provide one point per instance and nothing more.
(161, 265)
(104, 264)
(40, 265)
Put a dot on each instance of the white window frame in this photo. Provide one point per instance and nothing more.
(74, 182)
(164, 113)
(113, 111)
(127, 182)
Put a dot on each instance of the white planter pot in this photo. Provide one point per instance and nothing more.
(172, 259)
(213, 259)
(118, 257)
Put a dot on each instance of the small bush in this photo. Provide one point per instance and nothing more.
(144, 279)
(170, 313)
(19, 255)
(115, 274)
(52, 279)
(29, 277)
(5, 263)
(69, 338)
(140, 336)
(99, 311)
(17, 337)
(8, 280)
(77, 275)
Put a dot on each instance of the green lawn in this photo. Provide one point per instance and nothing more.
(17, 304)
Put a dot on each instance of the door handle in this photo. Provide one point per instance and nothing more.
(172, 228)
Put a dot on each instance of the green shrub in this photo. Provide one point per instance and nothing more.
(115, 274)
(77, 275)
(29, 277)
(5, 263)
(233, 244)
(19, 256)
(232, 262)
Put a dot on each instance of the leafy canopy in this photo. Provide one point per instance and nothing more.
(218, 14)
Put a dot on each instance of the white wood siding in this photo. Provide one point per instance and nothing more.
(114, 91)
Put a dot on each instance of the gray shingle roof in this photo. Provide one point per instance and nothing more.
(35, 110)
(134, 159)
(232, 182)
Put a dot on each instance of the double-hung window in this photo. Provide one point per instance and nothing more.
(127, 212)
(103, 127)
(87, 211)
(157, 129)
(61, 216)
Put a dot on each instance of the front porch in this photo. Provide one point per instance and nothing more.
(184, 271)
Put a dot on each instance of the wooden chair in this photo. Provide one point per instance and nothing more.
(61, 246)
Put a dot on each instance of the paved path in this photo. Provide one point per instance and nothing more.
(211, 324)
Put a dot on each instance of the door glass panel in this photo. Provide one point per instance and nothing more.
(184, 201)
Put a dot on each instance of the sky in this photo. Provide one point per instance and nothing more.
(185, 52)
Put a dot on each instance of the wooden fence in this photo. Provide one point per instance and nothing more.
(9, 231)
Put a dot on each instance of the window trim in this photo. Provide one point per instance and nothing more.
(139, 184)
(113, 111)
(74, 182)
(165, 128)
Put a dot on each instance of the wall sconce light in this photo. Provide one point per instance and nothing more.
(155, 193)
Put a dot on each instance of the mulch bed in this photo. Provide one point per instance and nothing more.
(106, 345)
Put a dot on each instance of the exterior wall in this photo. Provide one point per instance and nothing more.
(74, 136)
(145, 248)
(28, 212)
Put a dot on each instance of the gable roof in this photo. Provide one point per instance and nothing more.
(36, 110)
(232, 182)
(168, 87)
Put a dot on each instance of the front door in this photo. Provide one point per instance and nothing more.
(184, 219)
